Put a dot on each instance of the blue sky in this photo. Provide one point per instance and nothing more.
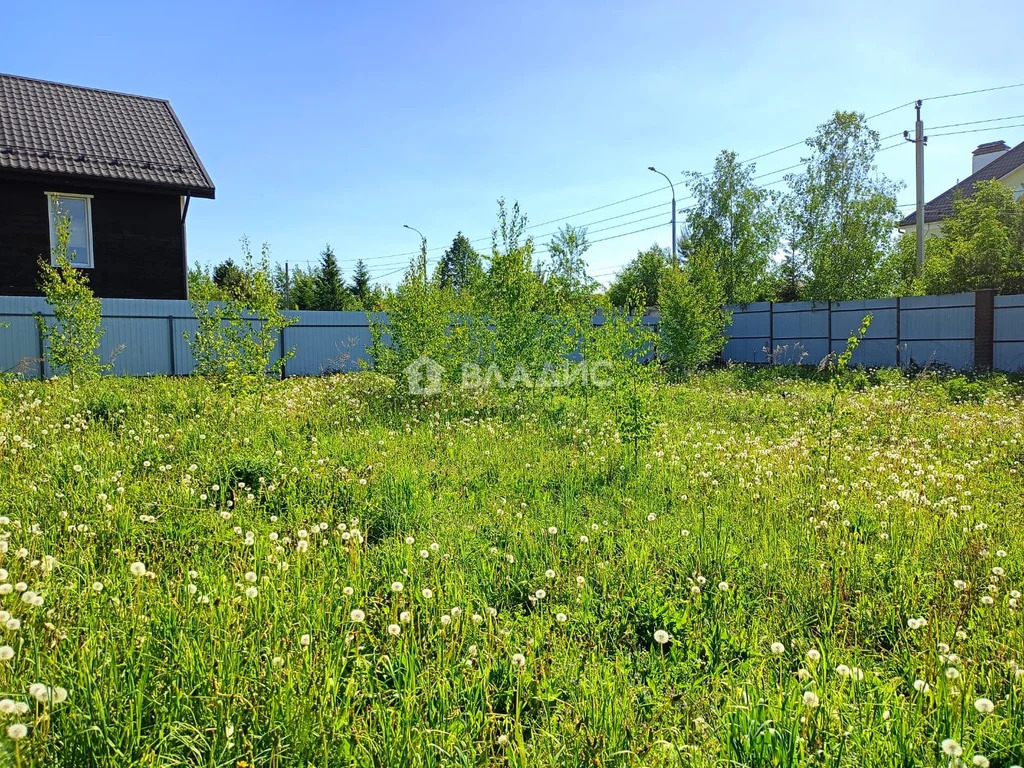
(339, 122)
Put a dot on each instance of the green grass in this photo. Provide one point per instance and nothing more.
(485, 502)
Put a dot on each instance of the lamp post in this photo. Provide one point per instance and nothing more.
(675, 260)
(423, 250)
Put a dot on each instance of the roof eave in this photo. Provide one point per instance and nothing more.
(104, 182)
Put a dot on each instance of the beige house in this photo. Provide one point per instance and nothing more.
(994, 160)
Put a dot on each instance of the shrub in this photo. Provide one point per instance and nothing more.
(73, 338)
(692, 319)
(960, 390)
(422, 322)
(239, 324)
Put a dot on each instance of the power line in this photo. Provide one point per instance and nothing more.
(973, 130)
(891, 109)
(598, 208)
(970, 93)
(977, 122)
(622, 234)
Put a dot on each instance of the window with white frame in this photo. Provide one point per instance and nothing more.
(77, 209)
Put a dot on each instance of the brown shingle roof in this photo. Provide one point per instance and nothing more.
(942, 206)
(83, 132)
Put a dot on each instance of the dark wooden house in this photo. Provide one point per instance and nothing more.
(119, 167)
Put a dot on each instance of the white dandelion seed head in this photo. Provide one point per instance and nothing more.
(951, 748)
(984, 706)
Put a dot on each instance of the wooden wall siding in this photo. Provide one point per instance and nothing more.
(146, 337)
(138, 240)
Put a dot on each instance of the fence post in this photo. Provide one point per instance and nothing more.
(771, 332)
(899, 335)
(170, 342)
(984, 329)
(830, 326)
(284, 365)
(39, 345)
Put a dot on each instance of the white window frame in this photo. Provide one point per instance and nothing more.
(52, 199)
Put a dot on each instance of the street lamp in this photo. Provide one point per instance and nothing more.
(675, 261)
(423, 250)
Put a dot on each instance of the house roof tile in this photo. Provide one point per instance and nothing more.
(84, 132)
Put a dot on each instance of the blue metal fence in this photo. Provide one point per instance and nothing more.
(147, 337)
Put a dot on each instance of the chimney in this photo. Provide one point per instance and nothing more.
(986, 153)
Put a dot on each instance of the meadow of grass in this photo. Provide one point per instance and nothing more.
(327, 575)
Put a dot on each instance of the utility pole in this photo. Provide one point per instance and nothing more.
(919, 141)
(287, 285)
(675, 258)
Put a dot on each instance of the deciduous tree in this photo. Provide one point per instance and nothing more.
(982, 244)
(640, 280)
(737, 226)
(843, 211)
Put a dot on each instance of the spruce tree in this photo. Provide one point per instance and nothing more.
(360, 285)
(459, 266)
(328, 288)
